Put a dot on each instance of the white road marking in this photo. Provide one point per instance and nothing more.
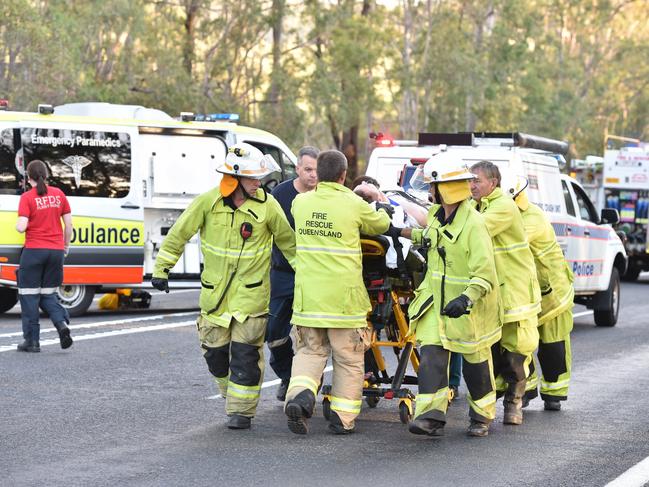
(105, 323)
(636, 476)
(105, 334)
(583, 313)
(269, 383)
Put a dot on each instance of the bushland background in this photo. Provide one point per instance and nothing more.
(327, 73)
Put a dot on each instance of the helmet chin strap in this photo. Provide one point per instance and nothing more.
(245, 194)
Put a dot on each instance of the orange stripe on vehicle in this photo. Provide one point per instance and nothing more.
(8, 272)
(102, 275)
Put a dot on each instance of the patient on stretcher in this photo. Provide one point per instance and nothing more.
(407, 214)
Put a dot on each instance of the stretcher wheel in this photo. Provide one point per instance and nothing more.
(372, 401)
(404, 413)
(326, 408)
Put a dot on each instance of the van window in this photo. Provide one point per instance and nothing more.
(81, 162)
(10, 178)
(586, 209)
(570, 207)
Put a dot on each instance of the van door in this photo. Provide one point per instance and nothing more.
(583, 254)
(11, 186)
(92, 165)
(594, 239)
(178, 165)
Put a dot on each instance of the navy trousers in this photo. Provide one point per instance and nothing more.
(278, 329)
(39, 275)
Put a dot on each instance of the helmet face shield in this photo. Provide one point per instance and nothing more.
(245, 160)
(418, 181)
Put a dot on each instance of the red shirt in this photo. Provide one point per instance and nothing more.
(44, 230)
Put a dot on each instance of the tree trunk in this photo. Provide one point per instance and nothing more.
(191, 10)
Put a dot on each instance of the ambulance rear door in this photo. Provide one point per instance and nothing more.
(92, 164)
(178, 164)
(11, 184)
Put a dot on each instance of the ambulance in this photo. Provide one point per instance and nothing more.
(128, 172)
(591, 246)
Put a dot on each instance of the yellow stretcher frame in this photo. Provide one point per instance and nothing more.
(402, 342)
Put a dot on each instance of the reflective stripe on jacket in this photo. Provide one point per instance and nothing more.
(553, 273)
(519, 289)
(470, 270)
(221, 244)
(329, 288)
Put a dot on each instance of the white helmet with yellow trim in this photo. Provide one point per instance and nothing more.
(245, 160)
(514, 186)
(449, 173)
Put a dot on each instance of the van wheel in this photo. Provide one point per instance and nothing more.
(608, 316)
(8, 298)
(631, 273)
(75, 298)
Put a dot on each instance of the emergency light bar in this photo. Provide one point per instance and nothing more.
(213, 117)
(517, 139)
(45, 109)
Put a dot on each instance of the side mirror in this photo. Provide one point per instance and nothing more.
(610, 216)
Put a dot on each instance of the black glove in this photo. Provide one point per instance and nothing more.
(393, 232)
(387, 207)
(456, 307)
(160, 284)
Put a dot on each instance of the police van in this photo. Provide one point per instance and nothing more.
(128, 172)
(591, 246)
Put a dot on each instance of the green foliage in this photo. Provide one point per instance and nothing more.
(572, 69)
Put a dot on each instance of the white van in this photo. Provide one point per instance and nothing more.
(127, 181)
(591, 246)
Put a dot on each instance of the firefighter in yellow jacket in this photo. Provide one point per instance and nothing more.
(555, 319)
(456, 307)
(519, 288)
(330, 304)
(237, 223)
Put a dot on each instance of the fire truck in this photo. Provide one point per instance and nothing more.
(626, 188)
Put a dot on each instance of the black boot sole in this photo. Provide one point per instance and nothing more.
(65, 338)
(296, 419)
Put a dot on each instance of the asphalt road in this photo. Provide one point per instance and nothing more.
(132, 403)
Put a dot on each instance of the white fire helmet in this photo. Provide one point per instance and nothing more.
(247, 161)
(443, 167)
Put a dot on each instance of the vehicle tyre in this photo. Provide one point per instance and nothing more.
(608, 316)
(8, 298)
(75, 298)
(631, 273)
(326, 408)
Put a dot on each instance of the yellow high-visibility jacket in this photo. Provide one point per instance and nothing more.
(221, 245)
(329, 289)
(553, 273)
(470, 270)
(519, 289)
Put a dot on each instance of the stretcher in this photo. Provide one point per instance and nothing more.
(390, 291)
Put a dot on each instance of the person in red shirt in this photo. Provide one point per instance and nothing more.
(40, 271)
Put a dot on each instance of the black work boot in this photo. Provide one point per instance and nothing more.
(64, 334)
(298, 410)
(426, 426)
(238, 422)
(550, 405)
(478, 429)
(29, 346)
(281, 390)
(336, 425)
(513, 403)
